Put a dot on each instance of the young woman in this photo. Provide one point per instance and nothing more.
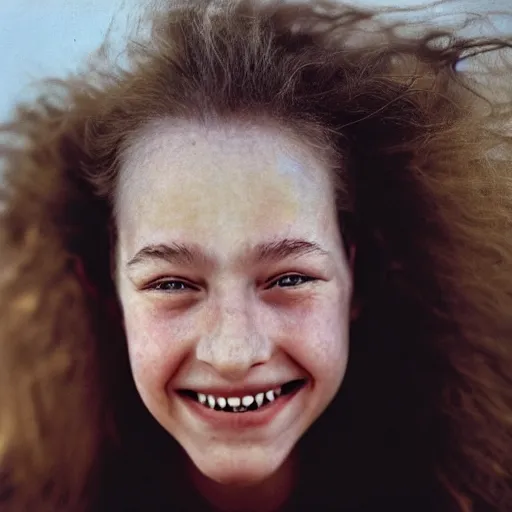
(267, 266)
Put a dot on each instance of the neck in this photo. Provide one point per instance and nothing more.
(266, 496)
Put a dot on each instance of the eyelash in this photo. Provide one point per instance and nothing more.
(155, 286)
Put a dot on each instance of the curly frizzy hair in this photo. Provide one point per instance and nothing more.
(421, 162)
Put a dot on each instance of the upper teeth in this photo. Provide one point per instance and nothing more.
(236, 402)
(247, 400)
(233, 402)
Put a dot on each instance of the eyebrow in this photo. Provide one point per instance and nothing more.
(265, 252)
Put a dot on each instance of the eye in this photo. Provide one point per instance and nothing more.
(175, 285)
(170, 285)
(292, 280)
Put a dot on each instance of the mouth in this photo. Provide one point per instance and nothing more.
(247, 403)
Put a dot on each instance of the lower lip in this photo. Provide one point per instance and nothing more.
(241, 420)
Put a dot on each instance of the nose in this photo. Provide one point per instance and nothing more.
(235, 344)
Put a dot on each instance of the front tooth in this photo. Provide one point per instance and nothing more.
(277, 391)
(247, 400)
(211, 401)
(259, 398)
(201, 397)
(234, 402)
(222, 402)
(270, 396)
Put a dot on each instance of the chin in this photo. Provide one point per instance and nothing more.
(239, 469)
(240, 478)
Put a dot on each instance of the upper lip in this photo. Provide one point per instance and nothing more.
(236, 391)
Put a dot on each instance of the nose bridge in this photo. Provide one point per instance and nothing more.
(235, 341)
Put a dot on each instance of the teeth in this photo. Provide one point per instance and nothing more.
(234, 402)
(239, 404)
(247, 400)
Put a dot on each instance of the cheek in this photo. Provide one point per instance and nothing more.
(155, 349)
(318, 338)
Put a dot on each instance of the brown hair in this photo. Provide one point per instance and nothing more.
(422, 164)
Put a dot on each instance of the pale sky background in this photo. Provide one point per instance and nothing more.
(41, 38)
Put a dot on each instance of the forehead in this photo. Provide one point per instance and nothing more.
(180, 176)
(230, 149)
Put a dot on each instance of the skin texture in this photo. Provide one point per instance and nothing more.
(233, 322)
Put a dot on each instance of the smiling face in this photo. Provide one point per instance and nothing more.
(233, 282)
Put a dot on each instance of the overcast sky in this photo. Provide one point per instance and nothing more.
(40, 38)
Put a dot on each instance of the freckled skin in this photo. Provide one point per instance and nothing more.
(221, 187)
